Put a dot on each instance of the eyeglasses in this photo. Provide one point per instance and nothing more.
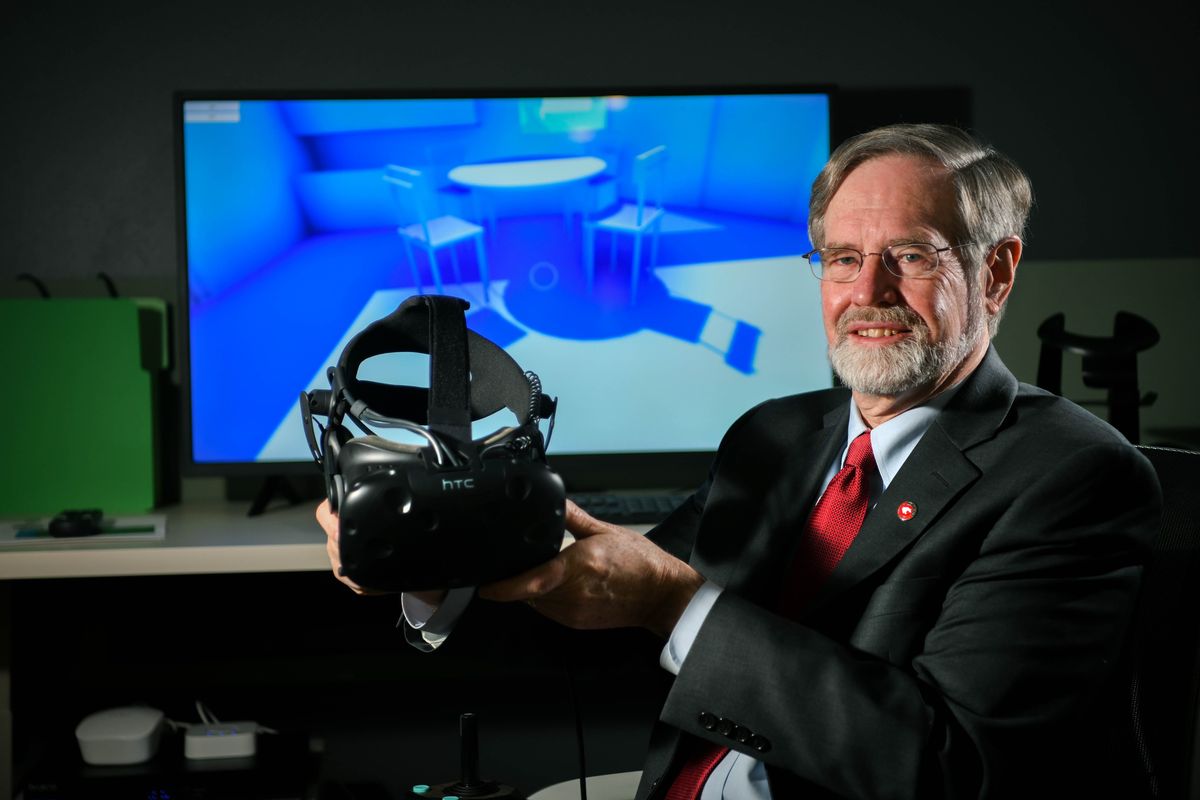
(909, 260)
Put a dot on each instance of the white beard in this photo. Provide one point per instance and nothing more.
(911, 364)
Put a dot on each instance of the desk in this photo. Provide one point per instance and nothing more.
(512, 183)
(207, 537)
(612, 786)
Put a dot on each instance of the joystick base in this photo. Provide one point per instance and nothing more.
(486, 790)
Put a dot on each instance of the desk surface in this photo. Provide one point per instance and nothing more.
(614, 786)
(527, 173)
(203, 537)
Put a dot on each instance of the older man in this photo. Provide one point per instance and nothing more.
(916, 588)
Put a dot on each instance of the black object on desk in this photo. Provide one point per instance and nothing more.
(627, 508)
(77, 523)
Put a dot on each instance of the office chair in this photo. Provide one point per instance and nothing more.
(1163, 690)
(1109, 362)
(635, 219)
(410, 191)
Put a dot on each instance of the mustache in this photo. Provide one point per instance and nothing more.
(894, 314)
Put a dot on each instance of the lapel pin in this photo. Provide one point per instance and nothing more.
(906, 511)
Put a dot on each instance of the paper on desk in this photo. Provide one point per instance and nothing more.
(34, 532)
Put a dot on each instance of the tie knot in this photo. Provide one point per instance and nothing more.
(860, 454)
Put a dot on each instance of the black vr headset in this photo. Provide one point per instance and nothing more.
(454, 511)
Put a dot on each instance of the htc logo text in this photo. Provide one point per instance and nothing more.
(461, 483)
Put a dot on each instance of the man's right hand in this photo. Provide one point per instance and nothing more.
(329, 523)
(610, 577)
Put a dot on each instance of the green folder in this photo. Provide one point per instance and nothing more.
(80, 404)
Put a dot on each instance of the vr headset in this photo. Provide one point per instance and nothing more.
(453, 511)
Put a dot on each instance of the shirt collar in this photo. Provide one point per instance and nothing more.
(893, 441)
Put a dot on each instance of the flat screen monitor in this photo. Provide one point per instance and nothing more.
(640, 251)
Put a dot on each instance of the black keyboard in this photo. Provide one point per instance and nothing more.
(629, 508)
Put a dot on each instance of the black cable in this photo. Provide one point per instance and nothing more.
(108, 283)
(550, 433)
(36, 281)
(578, 731)
(535, 395)
(361, 425)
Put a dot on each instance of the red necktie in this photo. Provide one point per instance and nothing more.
(830, 529)
(695, 772)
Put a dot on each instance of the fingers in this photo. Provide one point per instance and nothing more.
(529, 584)
(581, 524)
(329, 523)
(331, 550)
(327, 520)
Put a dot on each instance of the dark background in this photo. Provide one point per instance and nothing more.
(1098, 107)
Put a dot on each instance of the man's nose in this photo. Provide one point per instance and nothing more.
(874, 285)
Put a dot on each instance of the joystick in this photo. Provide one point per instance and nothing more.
(470, 786)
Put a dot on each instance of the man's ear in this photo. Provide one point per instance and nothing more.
(1000, 271)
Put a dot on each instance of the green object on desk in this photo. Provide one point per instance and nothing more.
(81, 401)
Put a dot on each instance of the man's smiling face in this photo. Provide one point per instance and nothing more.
(900, 337)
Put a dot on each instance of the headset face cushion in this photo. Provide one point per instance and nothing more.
(407, 527)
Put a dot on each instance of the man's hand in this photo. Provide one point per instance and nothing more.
(611, 577)
(329, 522)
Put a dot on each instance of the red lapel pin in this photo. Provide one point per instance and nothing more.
(906, 511)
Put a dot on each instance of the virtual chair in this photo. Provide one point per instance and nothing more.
(643, 216)
(410, 191)
(440, 158)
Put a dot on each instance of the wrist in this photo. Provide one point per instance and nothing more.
(678, 593)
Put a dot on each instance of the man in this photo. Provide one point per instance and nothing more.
(960, 638)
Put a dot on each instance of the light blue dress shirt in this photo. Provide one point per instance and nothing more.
(743, 777)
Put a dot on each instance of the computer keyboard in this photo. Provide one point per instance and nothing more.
(629, 508)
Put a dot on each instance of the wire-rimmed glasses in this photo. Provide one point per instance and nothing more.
(907, 260)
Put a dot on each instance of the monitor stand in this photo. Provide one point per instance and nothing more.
(261, 492)
(275, 484)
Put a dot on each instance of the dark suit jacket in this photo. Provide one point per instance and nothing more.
(967, 652)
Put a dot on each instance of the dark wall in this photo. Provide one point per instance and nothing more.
(1095, 106)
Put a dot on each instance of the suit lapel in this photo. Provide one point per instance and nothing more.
(935, 473)
(933, 476)
(758, 570)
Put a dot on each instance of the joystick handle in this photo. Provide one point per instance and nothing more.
(468, 737)
(470, 786)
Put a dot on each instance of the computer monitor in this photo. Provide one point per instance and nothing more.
(641, 251)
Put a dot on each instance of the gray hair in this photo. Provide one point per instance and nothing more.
(993, 195)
